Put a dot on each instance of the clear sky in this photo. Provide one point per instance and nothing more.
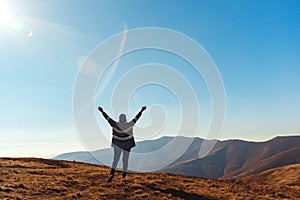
(255, 45)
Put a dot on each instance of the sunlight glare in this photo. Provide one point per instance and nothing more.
(5, 15)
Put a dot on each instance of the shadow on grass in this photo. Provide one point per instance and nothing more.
(181, 194)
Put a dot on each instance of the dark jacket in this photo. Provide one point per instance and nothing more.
(122, 132)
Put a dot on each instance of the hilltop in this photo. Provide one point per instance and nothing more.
(33, 178)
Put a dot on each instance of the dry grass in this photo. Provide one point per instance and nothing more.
(287, 175)
(30, 178)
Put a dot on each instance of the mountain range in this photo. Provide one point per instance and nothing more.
(229, 159)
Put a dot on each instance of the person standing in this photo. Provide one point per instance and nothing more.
(122, 140)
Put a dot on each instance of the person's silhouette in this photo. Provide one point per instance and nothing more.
(122, 140)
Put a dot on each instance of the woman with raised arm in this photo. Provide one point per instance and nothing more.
(122, 140)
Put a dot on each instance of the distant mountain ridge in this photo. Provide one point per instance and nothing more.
(237, 158)
(228, 159)
(106, 154)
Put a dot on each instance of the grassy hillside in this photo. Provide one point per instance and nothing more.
(287, 175)
(31, 178)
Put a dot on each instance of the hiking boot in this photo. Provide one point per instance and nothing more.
(123, 174)
(112, 175)
(110, 178)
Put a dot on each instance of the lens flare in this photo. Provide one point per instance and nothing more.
(29, 35)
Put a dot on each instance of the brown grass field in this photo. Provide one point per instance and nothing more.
(286, 175)
(33, 178)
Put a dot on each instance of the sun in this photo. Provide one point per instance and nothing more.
(5, 14)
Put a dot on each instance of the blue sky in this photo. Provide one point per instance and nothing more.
(255, 45)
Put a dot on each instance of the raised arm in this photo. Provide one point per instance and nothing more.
(110, 121)
(134, 120)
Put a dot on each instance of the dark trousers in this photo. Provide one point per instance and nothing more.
(117, 154)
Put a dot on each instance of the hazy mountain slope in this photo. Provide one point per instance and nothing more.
(82, 156)
(106, 154)
(136, 162)
(287, 157)
(237, 158)
(228, 159)
(211, 166)
(31, 178)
